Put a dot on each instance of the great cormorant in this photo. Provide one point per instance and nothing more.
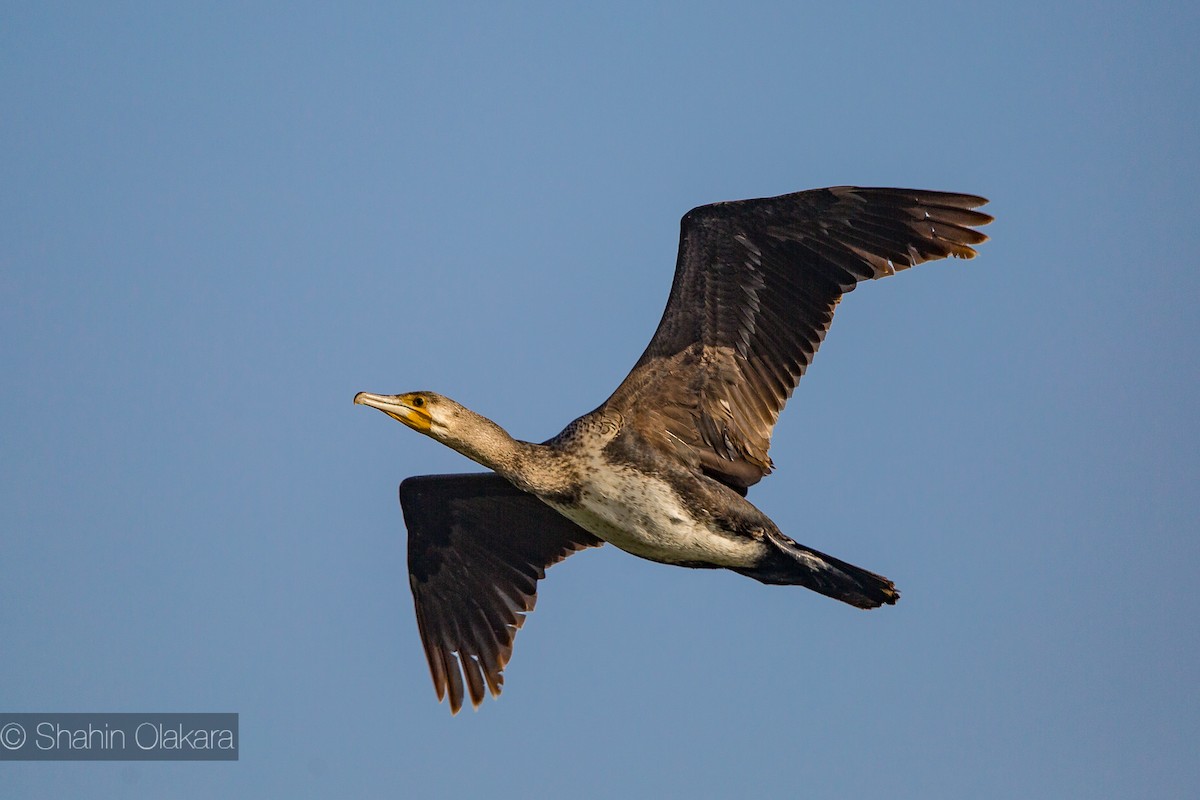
(662, 467)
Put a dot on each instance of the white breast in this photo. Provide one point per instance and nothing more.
(644, 516)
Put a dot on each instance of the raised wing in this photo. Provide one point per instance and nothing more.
(755, 287)
(477, 546)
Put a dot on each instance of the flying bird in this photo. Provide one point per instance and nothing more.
(661, 469)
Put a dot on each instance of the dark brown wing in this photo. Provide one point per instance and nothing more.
(477, 546)
(755, 287)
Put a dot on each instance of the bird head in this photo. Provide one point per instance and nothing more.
(457, 427)
(421, 411)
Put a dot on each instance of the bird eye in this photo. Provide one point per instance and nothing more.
(418, 402)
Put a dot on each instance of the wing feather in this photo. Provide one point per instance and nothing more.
(755, 288)
(477, 546)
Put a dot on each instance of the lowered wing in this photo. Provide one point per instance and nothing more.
(477, 546)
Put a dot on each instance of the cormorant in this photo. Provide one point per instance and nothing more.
(662, 467)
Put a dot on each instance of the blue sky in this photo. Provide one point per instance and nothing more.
(219, 222)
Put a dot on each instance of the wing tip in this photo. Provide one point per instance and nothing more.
(493, 683)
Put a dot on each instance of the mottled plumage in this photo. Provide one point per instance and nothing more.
(661, 469)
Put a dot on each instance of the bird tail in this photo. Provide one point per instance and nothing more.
(792, 564)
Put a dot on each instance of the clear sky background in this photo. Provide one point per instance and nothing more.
(219, 222)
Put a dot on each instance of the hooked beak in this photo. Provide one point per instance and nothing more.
(397, 407)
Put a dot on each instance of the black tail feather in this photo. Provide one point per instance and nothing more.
(792, 564)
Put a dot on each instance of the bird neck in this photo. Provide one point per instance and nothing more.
(532, 467)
